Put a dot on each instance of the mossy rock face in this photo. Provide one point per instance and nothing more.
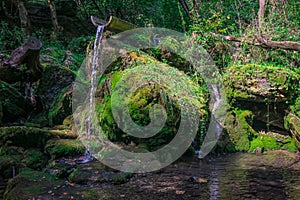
(273, 141)
(34, 159)
(62, 106)
(27, 137)
(13, 104)
(292, 123)
(94, 172)
(239, 131)
(267, 91)
(59, 148)
(15, 158)
(30, 137)
(31, 184)
(54, 92)
(123, 75)
(256, 82)
(140, 103)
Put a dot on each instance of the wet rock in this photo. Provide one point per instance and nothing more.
(13, 104)
(256, 82)
(34, 159)
(62, 106)
(292, 122)
(31, 184)
(55, 93)
(30, 137)
(264, 90)
(96, 172)
(58, 148)
(60, 169)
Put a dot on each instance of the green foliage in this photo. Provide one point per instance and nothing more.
(10, 37)
(256, 143)
(78, 45)
(269, 141)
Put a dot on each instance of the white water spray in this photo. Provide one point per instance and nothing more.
(94, 70)
(215, 128)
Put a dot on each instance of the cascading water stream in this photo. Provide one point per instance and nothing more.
(94, 69)
(215, 129)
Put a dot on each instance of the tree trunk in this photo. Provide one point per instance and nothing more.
(261, 13)
(185, 7)
(262, 42)
(25, 23)
(27, 54)
(56, 27)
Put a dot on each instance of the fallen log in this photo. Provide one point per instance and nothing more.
(262, 42)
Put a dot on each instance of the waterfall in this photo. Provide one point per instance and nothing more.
(93, 74)
(215, 128)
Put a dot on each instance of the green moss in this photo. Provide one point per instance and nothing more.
(80, 176)
(30, 183)
(24, 137)
(292, 122)
(290, 145)
(256, 143)
(270, 143)
(144, 98)
(253, 81)
(64, 148)
(121, 177)
(91, 194)
(61, 107)
(34, 159)
(239, 130)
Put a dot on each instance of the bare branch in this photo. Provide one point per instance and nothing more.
(262, 42)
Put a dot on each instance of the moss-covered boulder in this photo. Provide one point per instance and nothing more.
(35, 159)
(158, 84)
(31, 184)
(59, 148)
(267, 91)
(238, 128)
(254, 82)
(54, 91)
(293, 124)
(30, 137)
(13, 105)
(273, 141)
(61, 107)
(13, 158)
(94, 172)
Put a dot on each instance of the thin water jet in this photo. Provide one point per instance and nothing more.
(94, 69)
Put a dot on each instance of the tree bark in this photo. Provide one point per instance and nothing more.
(262, 42)
(185, 7)
(27, 54)
(261, 13)
(196, 8)
(56, 27)
(25, 23)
